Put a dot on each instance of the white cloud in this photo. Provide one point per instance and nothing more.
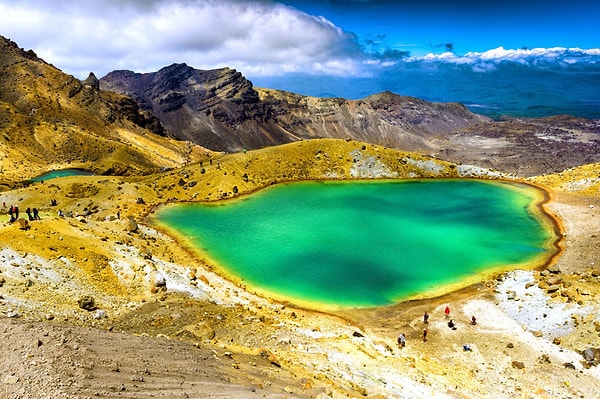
(257, 37)
(101, 36)
(532, 57)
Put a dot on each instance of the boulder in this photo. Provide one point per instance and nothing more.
(554, 281)
(552, 288)
(588, 354)
(145, 253)
(201, 330)
(87, 303)
(518, 365)
(270, 356)
(592, 356)
(23, 224)
(158, 280)
(130, 225)
(554, 269)
(11, 314)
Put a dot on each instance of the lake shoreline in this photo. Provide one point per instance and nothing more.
(556, 246)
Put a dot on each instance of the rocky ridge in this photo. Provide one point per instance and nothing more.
(51, 120)
(221, 110)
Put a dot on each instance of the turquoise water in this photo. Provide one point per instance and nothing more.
(364, 243)
(61, 173)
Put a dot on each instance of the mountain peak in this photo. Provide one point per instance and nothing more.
(92, 81)
(10, 49)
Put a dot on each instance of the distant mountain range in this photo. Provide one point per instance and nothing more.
(132, 123)
(221, 110)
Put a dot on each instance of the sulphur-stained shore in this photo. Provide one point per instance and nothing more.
(538, 196)
(100, 304)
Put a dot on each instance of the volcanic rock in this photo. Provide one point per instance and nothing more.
(92, 82)
(221, 110)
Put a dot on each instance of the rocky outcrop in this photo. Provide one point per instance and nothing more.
(92, 82)
(211, 107)
(221, 110)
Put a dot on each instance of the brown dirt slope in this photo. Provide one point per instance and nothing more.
(50, 120)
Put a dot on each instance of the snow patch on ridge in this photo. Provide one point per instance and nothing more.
(582, 184)
(426, 165)
(476, 171)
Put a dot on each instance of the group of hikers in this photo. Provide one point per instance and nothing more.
(402, 338)
(32, 213)
(13, 213)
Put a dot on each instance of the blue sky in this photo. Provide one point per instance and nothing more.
(426, 26)
(268, 38)
(325, 48)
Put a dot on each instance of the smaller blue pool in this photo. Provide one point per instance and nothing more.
(53, 174)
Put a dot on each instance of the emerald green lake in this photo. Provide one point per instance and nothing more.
(366, 243)
(53, 174)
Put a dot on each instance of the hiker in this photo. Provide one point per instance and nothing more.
(60, 213)
(28, 212)
(447, 311)
(425, 318)
(451, 324)
(425, 335)
(401, 341)
(36, 214)
(11, 213)
(473, 321)
(467, 348)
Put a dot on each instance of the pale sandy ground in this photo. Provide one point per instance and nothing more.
(205, 337)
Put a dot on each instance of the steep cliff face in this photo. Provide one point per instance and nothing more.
(221, 110)
(210, 107)
(51, 119)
